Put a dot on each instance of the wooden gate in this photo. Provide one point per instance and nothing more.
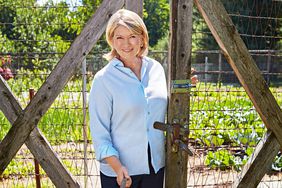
(24, 121)
(256, 87)
(249, 75)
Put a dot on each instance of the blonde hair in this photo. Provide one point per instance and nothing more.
(134, 23)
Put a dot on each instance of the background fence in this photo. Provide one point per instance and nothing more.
(224, 125)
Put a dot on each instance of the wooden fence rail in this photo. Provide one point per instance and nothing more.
(36, 142)
(25, 121)
(249, 75)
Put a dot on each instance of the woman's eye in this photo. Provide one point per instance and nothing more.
(133, 36)
(118, 38)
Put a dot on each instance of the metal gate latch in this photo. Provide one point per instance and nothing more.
(178, 134)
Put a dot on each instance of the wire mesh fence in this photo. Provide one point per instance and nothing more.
(224, 127)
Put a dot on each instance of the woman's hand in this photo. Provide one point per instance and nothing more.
(194, 78)
(121, 174)
(120, 170)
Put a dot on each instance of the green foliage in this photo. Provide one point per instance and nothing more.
(52, 28)
(156, 18)
(61, 124)
(277, 164)
(23, 168)
(34, 30)
(219, 119)
(214, 123)
(201, 39)
(7, 15)
(223, 160)
(83, 13)
(224, 117)
(4, 126)
(162, 44)
(248, 24)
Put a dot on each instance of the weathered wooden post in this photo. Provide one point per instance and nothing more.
(178, 83)
(135, 6)
(179, 69)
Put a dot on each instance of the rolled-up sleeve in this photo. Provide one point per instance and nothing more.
(100, 110)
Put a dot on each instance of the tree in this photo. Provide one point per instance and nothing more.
(156, 18)
(256, 21)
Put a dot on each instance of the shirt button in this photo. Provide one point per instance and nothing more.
(148, 113)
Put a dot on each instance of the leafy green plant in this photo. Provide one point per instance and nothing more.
(277, 163)
(223, 160)
(23, 168)
(220, 118)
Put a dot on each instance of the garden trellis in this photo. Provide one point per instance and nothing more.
(210, 102)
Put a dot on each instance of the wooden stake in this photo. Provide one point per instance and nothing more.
(36, 165)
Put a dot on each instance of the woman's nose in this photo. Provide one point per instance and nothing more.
(126, 42)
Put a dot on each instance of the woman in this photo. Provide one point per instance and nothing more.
(127, 96)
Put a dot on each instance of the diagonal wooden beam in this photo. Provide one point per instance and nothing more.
(55, 82)
(258, 163)
(36, 142)
(248, 74)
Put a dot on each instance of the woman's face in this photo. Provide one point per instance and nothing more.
(126, 43)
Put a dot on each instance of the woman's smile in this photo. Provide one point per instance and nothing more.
(126, 43)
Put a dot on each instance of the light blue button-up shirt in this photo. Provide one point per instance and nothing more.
(122, 112)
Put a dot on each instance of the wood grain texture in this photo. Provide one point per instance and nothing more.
(135, 6)
(55, 82)
(259, 162)
(251, 79)
(179, 69)
(36, 142)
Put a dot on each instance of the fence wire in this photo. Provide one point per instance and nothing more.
(224, 126)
